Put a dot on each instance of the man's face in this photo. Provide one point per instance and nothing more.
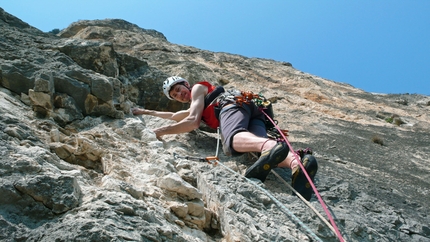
(180, 93)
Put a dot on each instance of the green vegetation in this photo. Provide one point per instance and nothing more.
(398, 121)
(377, 140)
(389, 120)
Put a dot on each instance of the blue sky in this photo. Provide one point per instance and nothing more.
(376, 45)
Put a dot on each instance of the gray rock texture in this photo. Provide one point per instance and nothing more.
(75, 165)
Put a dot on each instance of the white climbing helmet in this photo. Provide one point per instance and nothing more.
(170, 82)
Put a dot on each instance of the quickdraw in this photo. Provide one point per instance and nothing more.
(247, 97)
(263, 104)
(210, 159)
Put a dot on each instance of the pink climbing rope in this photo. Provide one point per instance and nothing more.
(324, 206)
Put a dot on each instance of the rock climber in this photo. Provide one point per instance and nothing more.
(242, 129)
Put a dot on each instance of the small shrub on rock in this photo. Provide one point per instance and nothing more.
(377, 140)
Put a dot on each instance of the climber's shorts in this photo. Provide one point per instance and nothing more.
(235, 118)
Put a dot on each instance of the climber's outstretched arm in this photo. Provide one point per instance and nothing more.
(176, 116)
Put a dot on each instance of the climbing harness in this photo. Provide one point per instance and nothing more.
(241, 97)
(261, 102)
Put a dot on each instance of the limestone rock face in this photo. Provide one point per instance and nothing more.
(59, 194)
(75, 165)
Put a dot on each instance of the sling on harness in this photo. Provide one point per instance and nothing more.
(211, 99)
(222, 97)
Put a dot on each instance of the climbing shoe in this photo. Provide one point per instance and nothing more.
(299, 181)
(268, 160)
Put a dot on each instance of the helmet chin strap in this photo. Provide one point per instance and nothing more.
(188, 87)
